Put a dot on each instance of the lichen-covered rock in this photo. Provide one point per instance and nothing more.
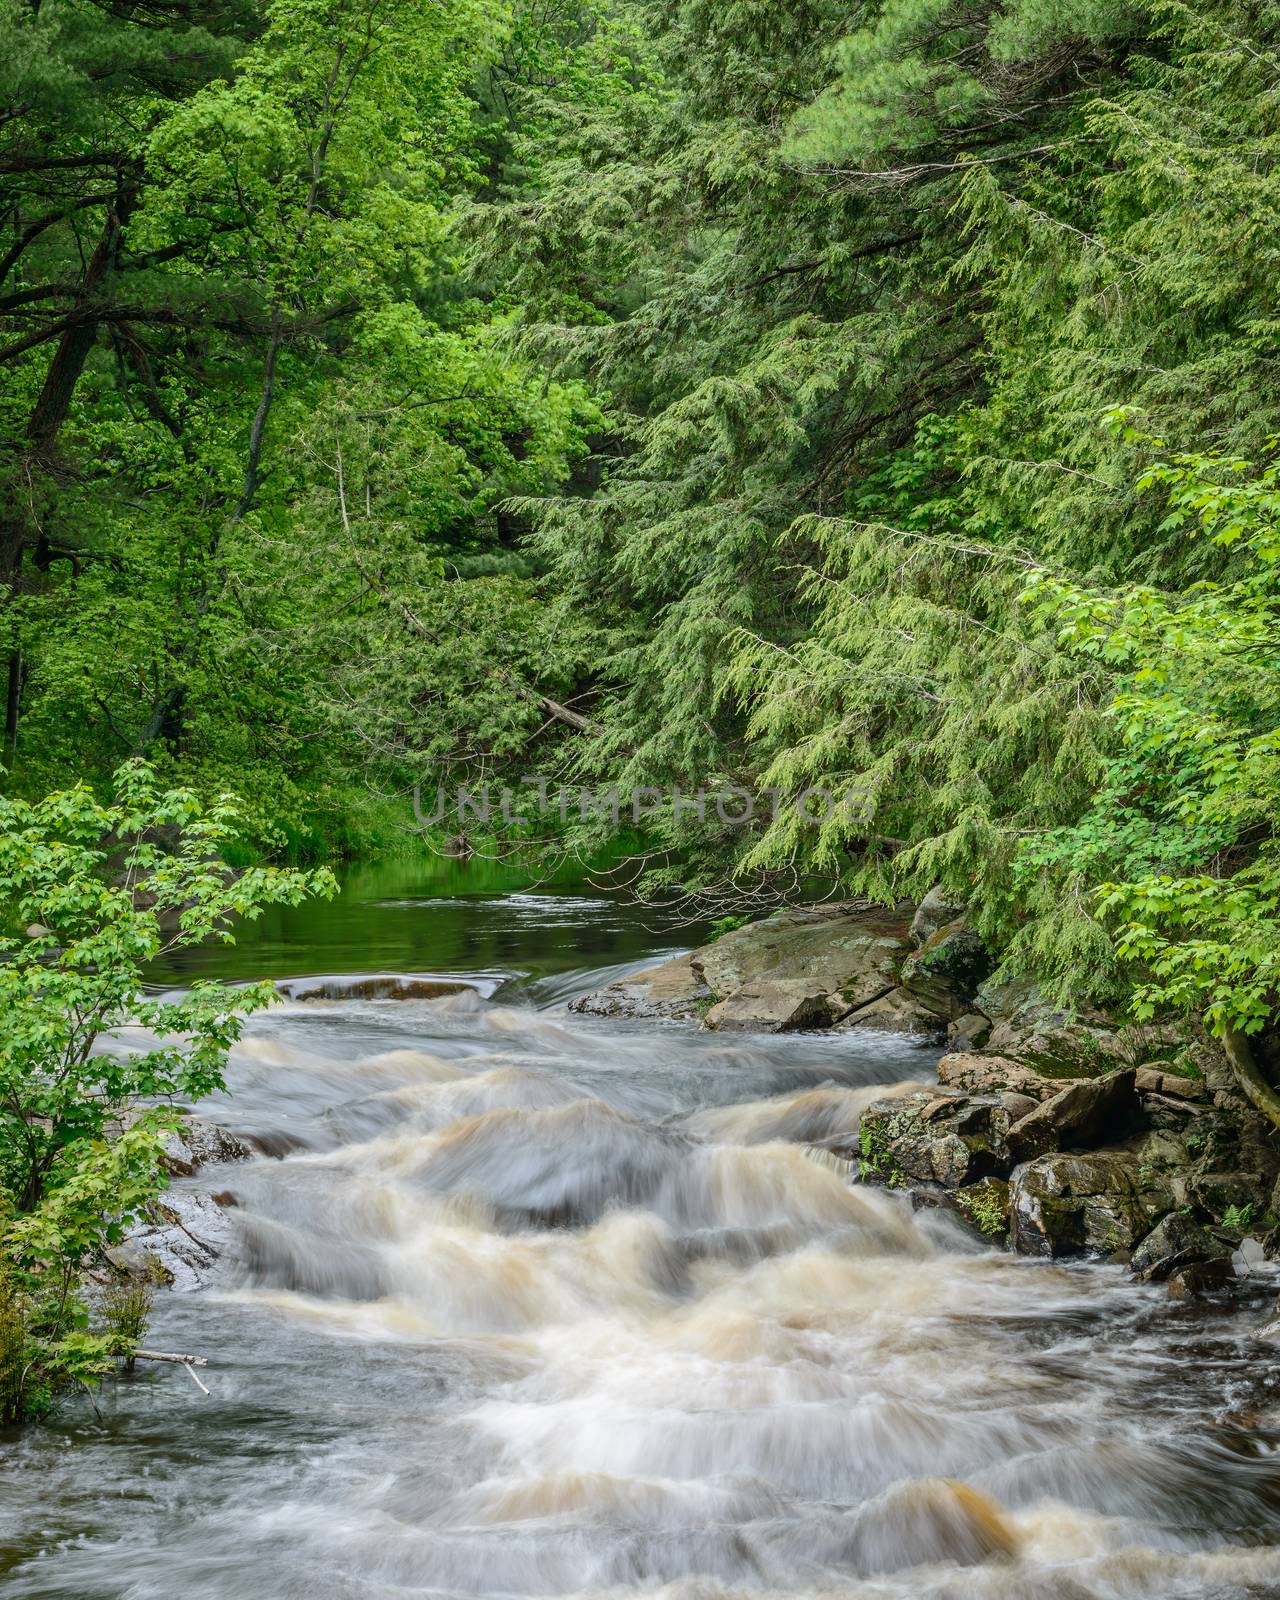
(944, 974)
(179, 1243)
(1065, 1204)
(671, 992)
(1154, 1079)
(969, 1032)
(935, 911)
(850, 954)
(1215, 1194)
(1079, 1117)
(952, 1140)
(1175, 1241)
(993, 1074)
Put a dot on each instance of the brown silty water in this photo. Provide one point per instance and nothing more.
(537, 1305)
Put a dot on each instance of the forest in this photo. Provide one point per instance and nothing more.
(659, 403)
(879, 396)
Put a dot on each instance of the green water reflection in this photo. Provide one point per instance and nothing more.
(435, 914)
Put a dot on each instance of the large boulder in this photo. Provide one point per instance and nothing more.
(1085, 1114)
(899, 1011)
(992, 1074)
(672, 992)
(772, 1006)
(1175, 1242)
(935, 911)
(951, 1140)
(945, 972)
(849, 954)
(1065, 1204)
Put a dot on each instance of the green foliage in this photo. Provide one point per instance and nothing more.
(665, 394)
(1181, 830)
(88, 1063)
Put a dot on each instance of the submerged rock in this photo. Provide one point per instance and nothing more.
(1199, 1278)
(375, 986)
(927, 1520)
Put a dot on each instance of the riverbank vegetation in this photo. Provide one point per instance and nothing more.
(91, 1068)
(649, 395)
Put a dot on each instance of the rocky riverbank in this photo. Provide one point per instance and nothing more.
(1057, 1133)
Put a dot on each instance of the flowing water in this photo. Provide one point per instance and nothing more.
(528, 1304)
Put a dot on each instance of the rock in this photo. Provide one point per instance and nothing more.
(1064, 1204)
(1199, 1278)
(896, 1012)
(1153, 1079)
(945, 972)
(985, 1204)
(1214, 1194)
(1248, 1258)
(778, 1007)
(924, 1522)
(849, 954)
(1017, 1105)
(935, 911)
(1043, 1036)
(1080, 1117)
(1176, 1241)
(672, 992)
(376, 986)
(969, 1032)
(992, 1074)
(198, 1143)
(133, 1259)
(180, 1243)
(934, 1138)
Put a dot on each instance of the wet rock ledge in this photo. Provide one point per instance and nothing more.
(904, 969)
(1055, 1133)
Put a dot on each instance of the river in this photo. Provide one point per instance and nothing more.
(532, 1304)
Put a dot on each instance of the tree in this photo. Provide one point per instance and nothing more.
(89, 1066)
(1178, 845)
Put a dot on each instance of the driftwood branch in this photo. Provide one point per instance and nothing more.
(187, 1363)
(169, 1355)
